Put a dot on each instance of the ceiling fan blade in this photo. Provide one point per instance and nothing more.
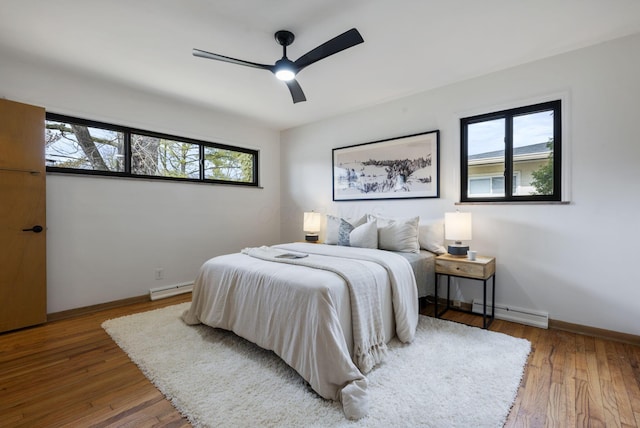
(339, 43)
(209, 55)
(296, 91)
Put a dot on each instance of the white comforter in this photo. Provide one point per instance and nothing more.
(289, 308)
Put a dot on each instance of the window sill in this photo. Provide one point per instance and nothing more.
(515, 203)
(125, 176)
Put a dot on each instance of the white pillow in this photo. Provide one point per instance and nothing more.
(332, 236)
(397, 234)
(364, 236)
(431, 236)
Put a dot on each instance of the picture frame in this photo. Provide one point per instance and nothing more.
(397, 168)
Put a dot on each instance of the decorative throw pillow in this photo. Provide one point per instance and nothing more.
(364, 236)
(333, 227)
(398, 234)
(344, 230)
(431, 236)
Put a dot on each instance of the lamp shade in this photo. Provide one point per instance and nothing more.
(457, 226)
(312, 222)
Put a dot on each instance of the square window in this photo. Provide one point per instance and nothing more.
(518, 148)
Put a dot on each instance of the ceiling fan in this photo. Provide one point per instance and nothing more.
(284, 68)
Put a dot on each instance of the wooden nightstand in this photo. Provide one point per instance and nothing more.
(483, 269)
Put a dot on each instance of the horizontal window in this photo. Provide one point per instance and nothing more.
(87, 147)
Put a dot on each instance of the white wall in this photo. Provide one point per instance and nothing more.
(575, 261)
(106, 236)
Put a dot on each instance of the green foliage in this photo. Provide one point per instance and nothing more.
(228, 165)
(177, 159)
(542, 179)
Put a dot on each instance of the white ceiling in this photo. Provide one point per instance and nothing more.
(410, 45)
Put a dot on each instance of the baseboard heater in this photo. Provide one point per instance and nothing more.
(515, 314)
(170, 290)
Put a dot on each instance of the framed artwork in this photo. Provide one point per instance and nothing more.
(397, 168)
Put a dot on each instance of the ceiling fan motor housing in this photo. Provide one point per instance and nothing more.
(284, 37)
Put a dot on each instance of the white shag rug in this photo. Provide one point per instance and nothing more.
(452, 375)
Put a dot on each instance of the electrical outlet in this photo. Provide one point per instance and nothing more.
(159, 273)
(456, 303)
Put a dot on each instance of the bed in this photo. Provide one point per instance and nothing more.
(326, 310)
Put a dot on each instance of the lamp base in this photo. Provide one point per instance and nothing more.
(313, 237)
(458, 250)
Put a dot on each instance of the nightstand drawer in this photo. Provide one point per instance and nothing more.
(481, 268)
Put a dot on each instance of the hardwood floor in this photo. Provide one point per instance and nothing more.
(571, 380)
(70, 373)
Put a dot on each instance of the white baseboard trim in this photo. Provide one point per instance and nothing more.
(515, 314)
(170, 290)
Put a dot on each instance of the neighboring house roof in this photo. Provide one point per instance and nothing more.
(533, 151)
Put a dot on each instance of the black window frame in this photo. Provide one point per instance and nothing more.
(128, 131)
(508, 116)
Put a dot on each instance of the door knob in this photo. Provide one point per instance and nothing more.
(34, 229)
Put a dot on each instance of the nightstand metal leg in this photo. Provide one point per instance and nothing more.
(484, 304)
(438, 313)
(493, 298)
(436, 302)
(448, 290)
(486, 324)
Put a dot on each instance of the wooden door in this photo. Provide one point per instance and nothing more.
(23, 300)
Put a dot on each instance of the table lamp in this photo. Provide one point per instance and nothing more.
(311, 226)
(457, 228)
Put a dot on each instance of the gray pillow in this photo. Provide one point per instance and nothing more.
(344, 230)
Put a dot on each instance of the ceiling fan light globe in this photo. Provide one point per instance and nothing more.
(285, 74)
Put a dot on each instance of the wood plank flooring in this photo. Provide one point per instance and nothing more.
(70, 373)
(571, 380)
